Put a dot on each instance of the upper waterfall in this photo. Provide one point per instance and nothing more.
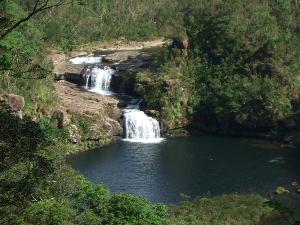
(98, 79)
(90, 59)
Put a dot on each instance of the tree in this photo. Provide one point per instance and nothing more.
(37, 7)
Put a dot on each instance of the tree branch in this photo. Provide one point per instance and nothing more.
(36, 9)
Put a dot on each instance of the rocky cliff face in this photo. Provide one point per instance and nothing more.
(87, 116)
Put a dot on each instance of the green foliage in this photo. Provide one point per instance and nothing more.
(223, 210)
(241, 72)
(24, 65)
(52, 134)
(22, 168)
(49, 212)
(128, 209)
(109, 20)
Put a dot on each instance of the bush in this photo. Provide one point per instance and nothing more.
(223, 210)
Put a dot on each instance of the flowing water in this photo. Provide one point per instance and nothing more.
(191, 165)
(98, 79)
(138, 127)
(90, 59)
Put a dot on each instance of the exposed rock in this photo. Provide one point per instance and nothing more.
(125, 45)
(103, 111)
(107, 60)
(74, 134)
(74, 54)
(16, 102)
(134, 61)
(163, 127)
(63, 66)
(95, 133)
(281, 190)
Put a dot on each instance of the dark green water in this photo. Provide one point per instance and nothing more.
(191, 165)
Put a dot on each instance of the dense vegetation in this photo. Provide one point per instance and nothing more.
(241, 69)
(37, 187)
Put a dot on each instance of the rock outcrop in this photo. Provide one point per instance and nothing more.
(16, 103)
(85, 114)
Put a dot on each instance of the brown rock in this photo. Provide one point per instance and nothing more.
(62, 118)
(16, 102)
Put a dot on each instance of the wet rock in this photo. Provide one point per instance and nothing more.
(107, 60)
(163, 127)
(75, 78)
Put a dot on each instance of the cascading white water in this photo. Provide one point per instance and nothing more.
(138, 126)
(90, 59)
(98, 79)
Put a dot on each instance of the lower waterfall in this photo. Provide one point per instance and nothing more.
(98, 79)
(139, 127)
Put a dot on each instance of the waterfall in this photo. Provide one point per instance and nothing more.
(98, 79)
(138, 126)
(87, 75)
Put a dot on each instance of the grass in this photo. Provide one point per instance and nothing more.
(232, 209)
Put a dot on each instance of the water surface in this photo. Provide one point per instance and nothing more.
(190, 165)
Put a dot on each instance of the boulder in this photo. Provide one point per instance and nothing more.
(281, 190)
(16, 102)
(107, 60)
